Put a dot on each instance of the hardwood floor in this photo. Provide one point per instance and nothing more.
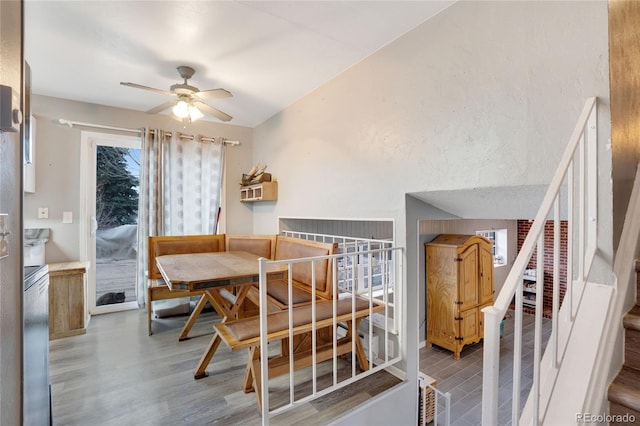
(463, 378)
(117, 375)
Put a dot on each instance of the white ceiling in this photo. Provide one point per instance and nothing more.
(268, 54)
(504, 202)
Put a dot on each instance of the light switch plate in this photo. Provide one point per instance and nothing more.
(43, 213)
(67, 217)
(10, 114)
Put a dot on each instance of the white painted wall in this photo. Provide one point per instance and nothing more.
(486, 94)
(58, 166)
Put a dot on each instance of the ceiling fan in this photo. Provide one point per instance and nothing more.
(188, 99)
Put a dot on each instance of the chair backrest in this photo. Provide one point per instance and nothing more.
(181, 244)
(260, 245)
(295, 248)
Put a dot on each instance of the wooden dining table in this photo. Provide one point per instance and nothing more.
(225, 279)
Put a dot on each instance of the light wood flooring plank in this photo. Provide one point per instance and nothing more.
(117, 375)
(463, 378)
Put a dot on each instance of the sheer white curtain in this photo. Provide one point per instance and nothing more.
(180, 188)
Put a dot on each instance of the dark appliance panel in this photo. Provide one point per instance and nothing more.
(36, 390)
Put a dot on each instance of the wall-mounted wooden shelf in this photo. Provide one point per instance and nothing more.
(266, 191)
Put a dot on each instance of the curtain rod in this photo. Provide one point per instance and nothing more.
(202, 138)
(139, 132)
(97, 126)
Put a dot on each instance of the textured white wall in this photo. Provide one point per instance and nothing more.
(58, 166)
(485, 94)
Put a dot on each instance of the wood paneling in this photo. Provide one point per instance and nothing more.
(378, 229)
(624, 75)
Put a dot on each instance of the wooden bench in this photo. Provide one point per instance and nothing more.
(183, 244)
(245, 334)
(301, 279)
(295, 248)
(260, 245)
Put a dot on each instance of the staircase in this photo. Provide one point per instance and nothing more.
(624, 391)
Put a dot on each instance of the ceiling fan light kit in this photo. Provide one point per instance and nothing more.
(195, 114)
(188, 101)
(181, 109)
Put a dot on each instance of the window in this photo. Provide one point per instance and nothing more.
(498, 238)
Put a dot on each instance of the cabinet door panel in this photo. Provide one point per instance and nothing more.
(468, 277)
(486, 276)
(470, 326)
(441, 295)
(481, 317)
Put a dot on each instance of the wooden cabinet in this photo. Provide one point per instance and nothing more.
(459, 275)
(68, 311)
(266, 191)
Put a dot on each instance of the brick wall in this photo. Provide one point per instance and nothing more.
(523, 230)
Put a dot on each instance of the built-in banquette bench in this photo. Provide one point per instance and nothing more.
(157, 289)
(260, 245)
(295, 248)
(267, 246)
(245, 334)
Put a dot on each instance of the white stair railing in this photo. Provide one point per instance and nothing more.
(348, 270)
(378, 327)
(581, 214)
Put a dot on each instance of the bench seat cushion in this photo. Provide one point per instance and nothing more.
(249, 328)
(257, 246)
(302, 273)
(278, 290)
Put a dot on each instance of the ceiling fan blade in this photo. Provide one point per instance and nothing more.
(213, 111)
(152, 89)
(214, 94)
(162, 107)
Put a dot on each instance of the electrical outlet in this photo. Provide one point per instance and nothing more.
(43, 213)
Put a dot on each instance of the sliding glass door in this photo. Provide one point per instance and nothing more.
(111, 173)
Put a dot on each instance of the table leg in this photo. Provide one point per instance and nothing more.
(256, 373)
(201, 369)
(226, 310)
(248, 374)
(224, 307)
(242, 294)
(184, 334)
(360, 353)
